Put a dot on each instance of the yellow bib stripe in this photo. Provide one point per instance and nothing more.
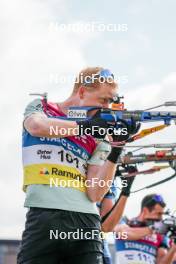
(54, 175)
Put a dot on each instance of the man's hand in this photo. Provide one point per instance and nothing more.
(130, 129)
(90, 125)
(165, 256)
(158, 227)
(120, 131)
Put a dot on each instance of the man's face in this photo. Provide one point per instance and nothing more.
(156, 213)
(97, 97)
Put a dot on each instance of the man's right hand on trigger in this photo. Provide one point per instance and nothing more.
(120, 131)
(125, 130)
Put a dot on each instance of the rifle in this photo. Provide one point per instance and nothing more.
(110, 115)
(118, 112)
(149, 171)
(114, 114)
(158, 156)
(159, 145)
(170, 146)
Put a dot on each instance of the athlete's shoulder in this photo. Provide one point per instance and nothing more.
(36, 103)
(33, 107)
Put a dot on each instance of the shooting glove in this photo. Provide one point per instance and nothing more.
(129, 180)
(97, 122)
(127, 130)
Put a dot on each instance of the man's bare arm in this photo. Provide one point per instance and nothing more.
(39, 125)
(166, 257)
(100, 179)
(133, 233)
(114, 217)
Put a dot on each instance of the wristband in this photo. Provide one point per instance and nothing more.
(114, 155)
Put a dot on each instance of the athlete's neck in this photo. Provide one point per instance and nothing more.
(140, 217)
(71, 101)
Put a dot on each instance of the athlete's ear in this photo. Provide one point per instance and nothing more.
(145, 210)
(81, 92)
